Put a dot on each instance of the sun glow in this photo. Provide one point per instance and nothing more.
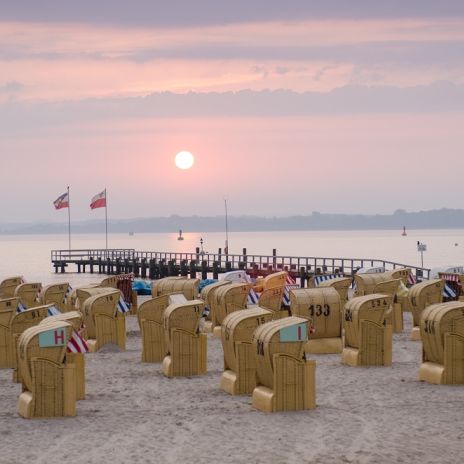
(184, 160)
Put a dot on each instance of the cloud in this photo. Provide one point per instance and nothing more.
(438, 97)
(207, 12)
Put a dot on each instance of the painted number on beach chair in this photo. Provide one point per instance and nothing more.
(319, 310)
(260, 320)
(348, 315)
(378, 303)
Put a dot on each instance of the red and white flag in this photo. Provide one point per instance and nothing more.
(62, 201)
(99, 200)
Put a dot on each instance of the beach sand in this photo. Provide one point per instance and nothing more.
(133, 414)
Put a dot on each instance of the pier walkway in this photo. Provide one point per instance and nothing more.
(158, 264)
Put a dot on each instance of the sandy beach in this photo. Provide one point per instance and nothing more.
(132, 413)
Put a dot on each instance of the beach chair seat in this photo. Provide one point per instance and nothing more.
(19, 323)
(239, 376)
(8, 286)
(442, 335)
(151, 321)
(48, 379)
(75, 318)
(208, 296)
(28, 294)
(7, 350)
(285, 379)
(420, 296)
(189, 287)
(368, 339)
(186, 348)
(103, 322)
(323, 307)
(228, 298)
(55, 294)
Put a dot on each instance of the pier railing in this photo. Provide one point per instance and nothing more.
(220, 262)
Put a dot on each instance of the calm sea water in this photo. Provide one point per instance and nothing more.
(30, 255)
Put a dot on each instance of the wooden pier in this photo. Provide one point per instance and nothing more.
(156, 265)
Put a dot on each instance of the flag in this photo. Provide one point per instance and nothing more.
(99, 200)
(62, 201)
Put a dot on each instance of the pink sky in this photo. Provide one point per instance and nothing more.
(342, 155)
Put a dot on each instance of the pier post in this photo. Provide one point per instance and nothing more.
(91, 264)
(184, 268)
(228, 266)
(118, 265)
(302, 277)
(204, 270)
(136, 268)
(109, 267)
(215, 270)
(99, 265)
(151, 269)
(197, 251)
(193, 272)
(144, 268)
(241, 265)
(171, 269)
(244, 255)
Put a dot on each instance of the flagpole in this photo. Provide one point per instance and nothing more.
(106, 222)
(69, 221)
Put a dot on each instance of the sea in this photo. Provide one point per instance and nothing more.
(30, 255)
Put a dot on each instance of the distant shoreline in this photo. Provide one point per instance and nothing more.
(423, 220)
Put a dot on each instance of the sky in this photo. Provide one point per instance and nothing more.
(288, 107)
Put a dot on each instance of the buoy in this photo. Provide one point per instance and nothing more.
(404, 231)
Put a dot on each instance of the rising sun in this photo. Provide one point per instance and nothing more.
(184, 160)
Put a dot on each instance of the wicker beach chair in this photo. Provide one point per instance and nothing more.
(48, 379)
(228, 298)
(322, 306)
(442, 334)
(28, 294)
(19, 323)
(341, 284)
(186, 347)
(271, 299)
(103, 322)
(285, 379)
(75, 318)
(368, 340)
(189, 287)
(394, 316)
(239, 376)
(422, 295)
(208, 296)
(55, 294)
(274, 280)
(7, 349)
(151, 318)
(8, 286)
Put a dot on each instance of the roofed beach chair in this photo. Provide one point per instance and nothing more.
(151, 319)
(55, 294)
(285, 379)
(420, 296)
(274, 280)
(368, 340)
(442, 334)
(189, 287)
(239, 376)
(28, 294)
(19, 323)
(186, 348)
(341, 284)
(76, 347)
(322, 306)
(48, 379)
(394, 316)
(8, 286)
(103, 322)
(208, 296)
(7, 349)
(228, 298)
